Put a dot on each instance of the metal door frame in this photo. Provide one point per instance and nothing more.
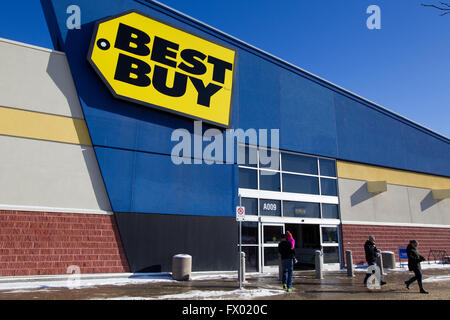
(263, 245)
(338, 244)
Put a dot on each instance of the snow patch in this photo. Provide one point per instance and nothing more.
(83, 283)
(437, 278)
(218, 295)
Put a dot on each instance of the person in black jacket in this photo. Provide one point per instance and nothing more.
(371, 252)
(414, 260)
(287, 262)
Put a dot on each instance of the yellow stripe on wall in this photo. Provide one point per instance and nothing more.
(357, 171)
(34, 125)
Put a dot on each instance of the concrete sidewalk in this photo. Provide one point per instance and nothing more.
(94, 280)
(335, 285)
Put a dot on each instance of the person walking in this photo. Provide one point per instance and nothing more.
(287, 262)
(371, 252)
(414, 260)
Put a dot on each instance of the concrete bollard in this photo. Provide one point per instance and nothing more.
(181, 267)
(242, 263)
(388, 259)
(319, 264)
(349, 260)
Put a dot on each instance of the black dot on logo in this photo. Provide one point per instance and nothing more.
(103, 44)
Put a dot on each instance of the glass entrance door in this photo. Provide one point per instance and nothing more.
(329, 235)
(270, 237)
(307, 241)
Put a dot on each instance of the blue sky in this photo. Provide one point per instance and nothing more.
(404, 66)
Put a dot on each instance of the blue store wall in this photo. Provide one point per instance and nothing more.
(133, 144)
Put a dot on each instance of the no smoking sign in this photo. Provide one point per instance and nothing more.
(240, 213)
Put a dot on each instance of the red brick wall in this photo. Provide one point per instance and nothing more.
(43, 243)
(390, 238)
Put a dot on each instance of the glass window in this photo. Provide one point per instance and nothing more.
(269, 180)
(269, 159)
(301, 209)
(271, 256)
(270, 207)
(272, 234)
(247, 156)
(330, 255)
(327, 167)
(330, 211)
(329, 235)
(251, 258)
(251, 206)
(298, 163)
(248, 178)
(328, 187)
(249, 233)
(300, 184)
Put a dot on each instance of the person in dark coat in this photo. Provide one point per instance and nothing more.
(371, 252)
(414, 260)
(287, 262)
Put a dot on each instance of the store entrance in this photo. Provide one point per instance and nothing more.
(260, 243)
(307, 241)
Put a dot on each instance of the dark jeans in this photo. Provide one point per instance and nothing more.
(373, 263)
(287, 266)
(417, 276)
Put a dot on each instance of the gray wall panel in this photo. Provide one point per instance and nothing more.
(353, 199)
(424, 209)
(399, 204)
(36, 79)
(49, 174)
(392, 205)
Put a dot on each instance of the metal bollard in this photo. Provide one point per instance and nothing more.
(319, 264)
(349, 260)
(380, 264)
(242, 263)
(280, 269)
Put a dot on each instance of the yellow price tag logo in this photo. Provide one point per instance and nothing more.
(145, 61)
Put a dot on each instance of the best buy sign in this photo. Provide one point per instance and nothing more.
(150, 63)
